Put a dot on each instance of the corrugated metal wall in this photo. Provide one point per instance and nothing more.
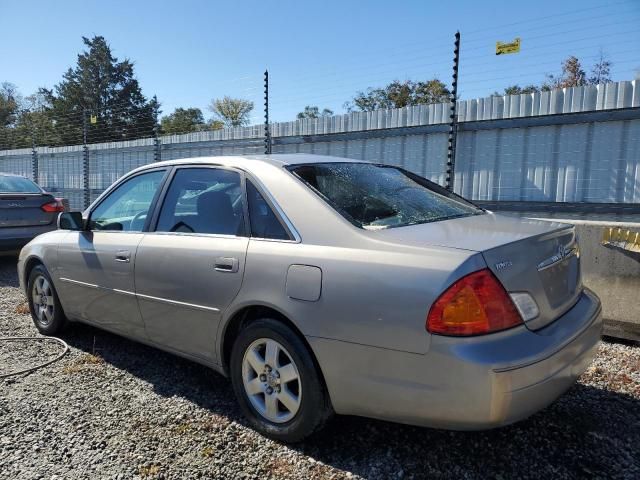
(569, 145)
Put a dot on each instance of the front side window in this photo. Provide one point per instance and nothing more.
(379, 196)
(264, 223)
(126, 208)
(203, 200)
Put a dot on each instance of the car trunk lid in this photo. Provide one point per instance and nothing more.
(536, 257)
(24, 209)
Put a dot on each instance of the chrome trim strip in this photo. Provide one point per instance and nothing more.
(196, 234)
(97, 287)
(77, 282)
(175, 302)
(140, 295)
(277, 240)
(123, 292)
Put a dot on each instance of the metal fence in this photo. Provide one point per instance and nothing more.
(578, 144)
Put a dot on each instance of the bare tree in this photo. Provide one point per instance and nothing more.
(233, 112)
(601, 70)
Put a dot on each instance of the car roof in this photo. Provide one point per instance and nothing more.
(280, 160)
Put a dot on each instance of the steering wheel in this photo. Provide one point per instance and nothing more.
(182, 227)
(135, 218)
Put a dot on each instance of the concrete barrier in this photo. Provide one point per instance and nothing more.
(612, 272)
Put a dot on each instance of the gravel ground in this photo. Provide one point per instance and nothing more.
(116, 409)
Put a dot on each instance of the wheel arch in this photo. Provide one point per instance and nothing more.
(250, 313)
(29, 264)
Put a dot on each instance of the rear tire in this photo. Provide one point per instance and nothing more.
(287, 400)
(44, 303)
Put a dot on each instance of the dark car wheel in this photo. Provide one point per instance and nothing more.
(44, 304)
(277, 382)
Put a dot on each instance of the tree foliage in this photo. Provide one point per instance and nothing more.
(101, 86)
(314, 112)
(98, 87)
(517, 89)
(183, 120)
(9, 103)
(572, 75)
(400, 94)
(232, 112)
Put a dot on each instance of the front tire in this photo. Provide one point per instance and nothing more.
(44, 303)
(277, 382)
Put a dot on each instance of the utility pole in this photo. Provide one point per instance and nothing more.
(85, 160)
(267, 133)
(453, 124)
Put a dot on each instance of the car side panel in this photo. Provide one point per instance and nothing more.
(373, 297)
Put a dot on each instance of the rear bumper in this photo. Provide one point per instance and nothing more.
(14, 238)
(464, 383)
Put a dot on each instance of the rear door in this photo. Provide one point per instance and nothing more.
(96, 281)
(190, 268)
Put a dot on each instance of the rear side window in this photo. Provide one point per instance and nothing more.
(264, 223)
(9, 184)
(203, 200)
(374, 197)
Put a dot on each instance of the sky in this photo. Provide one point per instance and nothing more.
(317, 53)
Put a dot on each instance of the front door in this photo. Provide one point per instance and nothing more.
(189, 269)
(95, 277)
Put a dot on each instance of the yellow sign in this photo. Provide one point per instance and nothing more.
(503, 48)
(621, 238)
(94, 119)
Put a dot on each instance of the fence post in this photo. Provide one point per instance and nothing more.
(267, 133)
(34, 163)
(157, 143)
(34, 155)
(453, 124)
(85, 160)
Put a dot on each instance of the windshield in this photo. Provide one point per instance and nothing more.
(379, 196)
(10, 184)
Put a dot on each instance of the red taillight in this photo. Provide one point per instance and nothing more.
(474, 305)
(53, 207)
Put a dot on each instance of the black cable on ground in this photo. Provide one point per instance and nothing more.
(31, 369)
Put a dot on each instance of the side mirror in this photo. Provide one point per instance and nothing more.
(70, 221)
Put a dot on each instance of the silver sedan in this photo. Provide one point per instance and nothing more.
(322, 285)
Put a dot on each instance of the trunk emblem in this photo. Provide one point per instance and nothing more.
(504, 264)
(562, 253)
(14, 205)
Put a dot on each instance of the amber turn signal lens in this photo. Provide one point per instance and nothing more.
(476, 304)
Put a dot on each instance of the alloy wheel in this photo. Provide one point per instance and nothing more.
(42, 299)
(271, 380)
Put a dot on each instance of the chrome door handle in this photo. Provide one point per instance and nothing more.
(227, 264)
(123, 256)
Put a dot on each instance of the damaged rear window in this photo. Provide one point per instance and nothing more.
(375, 196)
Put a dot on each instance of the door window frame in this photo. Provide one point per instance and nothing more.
(122, 181)
(159, 202)
(153, 216)
(294, 236)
